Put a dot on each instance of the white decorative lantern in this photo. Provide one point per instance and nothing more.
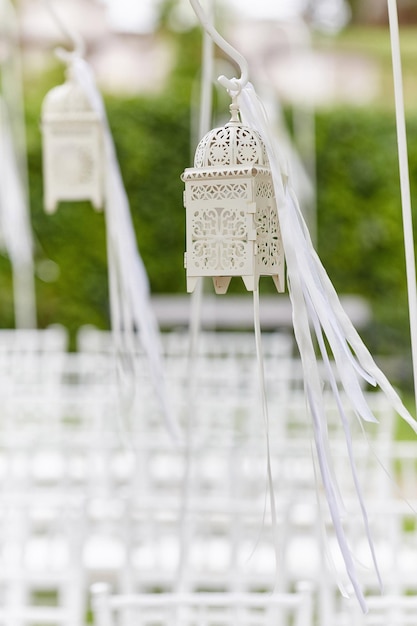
(232, 219)
(72, 148)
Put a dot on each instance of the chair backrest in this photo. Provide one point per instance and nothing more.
(383, 610)
(200, 609)
(40, 545)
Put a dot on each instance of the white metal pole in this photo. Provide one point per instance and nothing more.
(404, 182)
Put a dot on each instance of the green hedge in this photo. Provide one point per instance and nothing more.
(360, 223)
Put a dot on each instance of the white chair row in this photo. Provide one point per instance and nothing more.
(178, 343)
(94, 462)
(148, 514)
(199, 609)
(60, 546)
(214, 541)
(44, 387)
(257, 609)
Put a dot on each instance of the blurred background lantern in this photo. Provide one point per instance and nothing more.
(72, 148)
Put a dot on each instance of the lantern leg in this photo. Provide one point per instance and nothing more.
(249, 282)
(50, 205)
(97, 203)
(279, 283)
(221, 283)
(191, 283)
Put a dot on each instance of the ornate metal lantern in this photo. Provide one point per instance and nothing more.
(231, 214)
(72, 148)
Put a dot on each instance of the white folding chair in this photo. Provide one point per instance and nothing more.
(31, 370)
(41, 581)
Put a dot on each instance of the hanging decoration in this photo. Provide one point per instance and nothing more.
(133, 322)
(317, 313)
(232, 218)
(72, 147)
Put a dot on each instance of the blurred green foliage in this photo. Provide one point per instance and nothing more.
(360, 232)
(360, 227)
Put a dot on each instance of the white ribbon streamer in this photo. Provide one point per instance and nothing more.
(316, 307)
(15, 227)
(264, 406)
(132, 317)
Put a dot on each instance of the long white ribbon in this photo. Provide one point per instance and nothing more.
(15, 226)
(132, 316)
(14, 219)
(316, 308)
(265, 414)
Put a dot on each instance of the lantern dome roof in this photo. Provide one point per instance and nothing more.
(231, 145)
(65, 98)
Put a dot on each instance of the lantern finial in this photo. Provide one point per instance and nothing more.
(234, 111)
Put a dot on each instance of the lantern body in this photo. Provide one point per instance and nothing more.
(72, 148)
(232, 226)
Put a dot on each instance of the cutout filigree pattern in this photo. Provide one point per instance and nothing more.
(221, 191)
(264, 189)
(219, 239)
(219, 148)
(235, 172)
(248, 146)
(268, 236)
(231, 145)
(200, 152)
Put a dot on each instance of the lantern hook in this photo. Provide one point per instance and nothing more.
(233, 85)
(75, 38)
